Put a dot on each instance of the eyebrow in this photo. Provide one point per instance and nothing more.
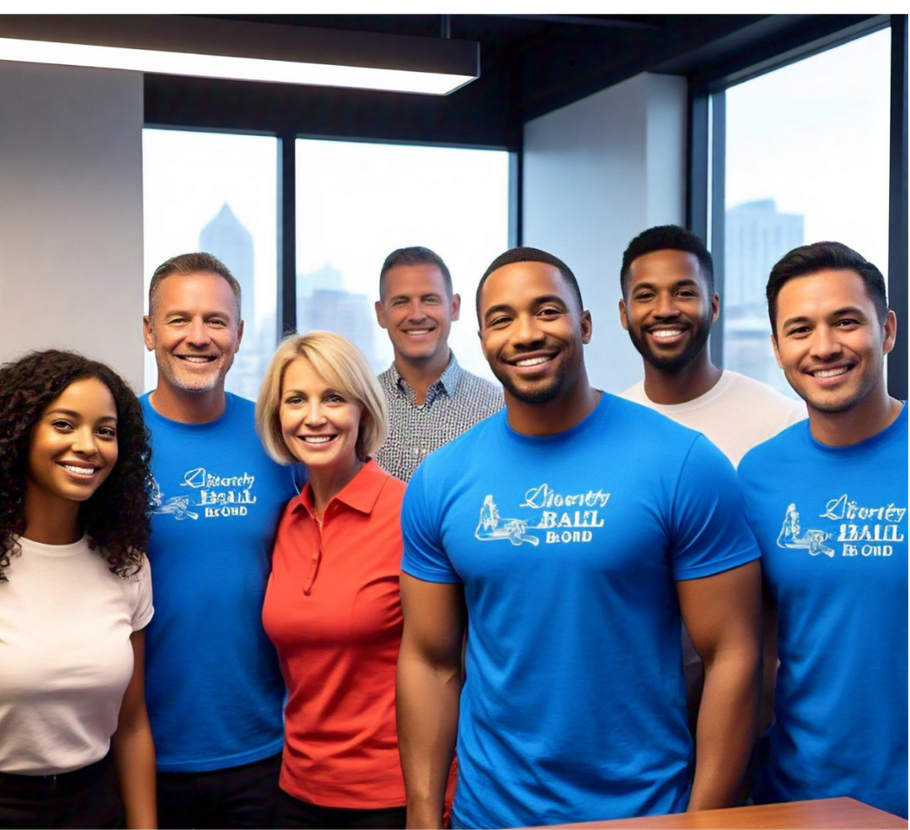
(676, 284)
(73, 414)
(852, 310)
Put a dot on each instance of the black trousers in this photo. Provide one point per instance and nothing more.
(244, 796)
(292, 812)
(87, 797)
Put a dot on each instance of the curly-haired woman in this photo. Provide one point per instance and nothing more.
(75, 596)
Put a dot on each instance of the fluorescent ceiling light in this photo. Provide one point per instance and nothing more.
(211, 48)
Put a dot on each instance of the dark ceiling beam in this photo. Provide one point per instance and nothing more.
(588, 20)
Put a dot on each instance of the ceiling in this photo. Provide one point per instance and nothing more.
(530, 65)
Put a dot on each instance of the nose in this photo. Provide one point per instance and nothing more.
(314, 415)
(415, 310)
(527, 331)
(84, 441)
(824, 343)
(664, 305)
(197, 333)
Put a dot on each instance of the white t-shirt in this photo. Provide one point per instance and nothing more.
(65, 655)
(736, 414)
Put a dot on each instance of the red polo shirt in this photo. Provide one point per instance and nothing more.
(333, 611)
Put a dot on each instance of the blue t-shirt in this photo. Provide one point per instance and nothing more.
(832, 526)
(569, 547)
(213, 686)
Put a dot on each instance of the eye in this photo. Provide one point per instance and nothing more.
(293, 400)
(549, 312)
(643, 296)
(686, 292)
(334, 397)
(431, 300)
(847, 323)
(217, 322)
(62, 425)
(798, 331)
(398, 301)
(107, 432)
(498, 321)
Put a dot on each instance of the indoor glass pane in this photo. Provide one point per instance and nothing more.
(807, 160)
(217, 192)
(357, 202)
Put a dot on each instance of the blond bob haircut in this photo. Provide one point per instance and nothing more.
(345, 368)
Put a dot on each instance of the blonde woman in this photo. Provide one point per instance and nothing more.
(332, 606)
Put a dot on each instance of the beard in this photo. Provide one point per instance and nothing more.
(536, 395)
(698, 339)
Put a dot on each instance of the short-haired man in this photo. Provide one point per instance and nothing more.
(827, 500)
(213, 685)
(568, 534)
(668, 306)
(431, 398)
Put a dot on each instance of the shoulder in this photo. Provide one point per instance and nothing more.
(451, 456)
(476, 385)
(783, 446)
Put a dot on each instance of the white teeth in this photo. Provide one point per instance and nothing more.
(419, 331)
(192, 359)
(318, 439)
(830, 373)
(532, 361)
(80, 471)
(666, 332)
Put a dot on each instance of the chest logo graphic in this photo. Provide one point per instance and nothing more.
(208, 495)
(861, 530)
(547, 516)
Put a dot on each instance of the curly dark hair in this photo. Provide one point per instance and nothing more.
(116, 516)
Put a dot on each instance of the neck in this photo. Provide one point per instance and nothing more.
(421, 374)
(188, 407)
(674, 386)
(50, 520)
(554, 416)
(328, 483)
(841, 429)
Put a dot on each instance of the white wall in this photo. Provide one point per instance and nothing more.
(597, 173)
(71, 213)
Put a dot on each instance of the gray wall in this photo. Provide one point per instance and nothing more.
(71, 213)
(596, 173)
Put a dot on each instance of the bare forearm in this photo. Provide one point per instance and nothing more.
(134, 756)
(427, 701)
(726, 729)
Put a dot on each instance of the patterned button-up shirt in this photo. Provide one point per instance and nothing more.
(454, 403)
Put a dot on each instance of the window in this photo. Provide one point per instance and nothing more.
(217, 192)
(358, 202)
(807, 159)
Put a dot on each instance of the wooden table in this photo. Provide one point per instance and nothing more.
(824, 814)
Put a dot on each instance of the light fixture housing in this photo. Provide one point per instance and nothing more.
(215, 48)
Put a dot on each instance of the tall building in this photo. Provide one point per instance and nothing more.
(226, 238)
(755, 237)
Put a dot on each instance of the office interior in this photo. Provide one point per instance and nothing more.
(611, 123)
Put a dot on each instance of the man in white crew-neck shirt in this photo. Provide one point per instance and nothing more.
(668, 306)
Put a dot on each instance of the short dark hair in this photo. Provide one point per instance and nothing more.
(823, 256)
(116, 515)
(524, 254)
(185, 264)
(415, 255)
(667, 238)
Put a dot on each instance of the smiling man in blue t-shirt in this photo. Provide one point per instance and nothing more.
(569, 535)
(827, 500)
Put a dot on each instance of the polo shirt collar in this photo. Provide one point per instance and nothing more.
(360, 493)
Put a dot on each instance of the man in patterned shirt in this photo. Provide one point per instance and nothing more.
(431, 398)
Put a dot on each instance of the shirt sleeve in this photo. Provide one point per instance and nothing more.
(141, 582)
(710, 531)
(424, 556)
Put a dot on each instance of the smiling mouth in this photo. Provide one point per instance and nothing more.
(665, 334)
(417, 332)
(316, 440)
(199, 360)
(830, 373)
(79, 470)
